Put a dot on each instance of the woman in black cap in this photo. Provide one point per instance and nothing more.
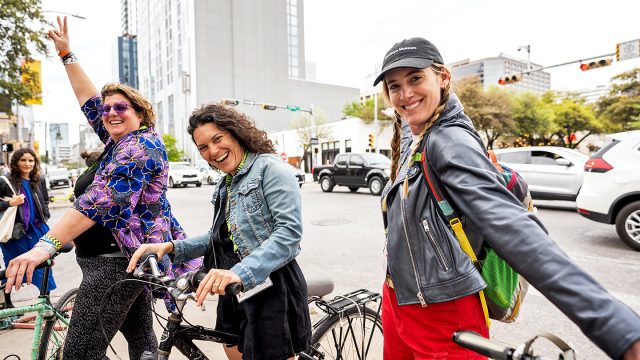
(432, 288)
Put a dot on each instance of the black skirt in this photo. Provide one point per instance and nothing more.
(273, 324)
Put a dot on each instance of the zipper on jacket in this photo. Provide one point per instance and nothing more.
(413, 263)
(439, 252)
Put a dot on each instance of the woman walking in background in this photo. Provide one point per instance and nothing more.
(32, 199)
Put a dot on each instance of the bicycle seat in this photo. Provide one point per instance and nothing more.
(318, 285)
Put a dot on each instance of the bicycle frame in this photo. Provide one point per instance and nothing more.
(44, 311)
(181, 337)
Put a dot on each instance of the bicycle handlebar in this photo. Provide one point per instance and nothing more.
(481, 345)
(498, 351)
(188, 282)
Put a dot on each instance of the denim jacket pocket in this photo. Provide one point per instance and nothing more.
(250, 195)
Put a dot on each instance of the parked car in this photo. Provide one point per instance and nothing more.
(611, 190)
(183, 173)
(354, 170)
(209, 175)
(57, 177)
(299, 174)
(552, 173)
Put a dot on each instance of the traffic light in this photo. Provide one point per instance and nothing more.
(230, 102)
(509, 79)
(269, 107)
(595, 64)
(371, 141)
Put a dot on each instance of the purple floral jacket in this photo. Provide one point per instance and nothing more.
(128, 194)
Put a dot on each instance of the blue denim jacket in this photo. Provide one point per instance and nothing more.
(266, 219)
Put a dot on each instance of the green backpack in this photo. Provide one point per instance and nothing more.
(506, 289)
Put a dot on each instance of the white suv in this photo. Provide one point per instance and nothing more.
(611, 187)
(183, 173)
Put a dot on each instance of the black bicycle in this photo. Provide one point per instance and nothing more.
(349, 327)
(499, 351)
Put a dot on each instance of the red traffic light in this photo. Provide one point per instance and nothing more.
(510, 79)
(595, 64)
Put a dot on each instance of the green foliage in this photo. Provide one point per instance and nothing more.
(366, 111)
(490, 111)
(23, 29)
(621, 108)
(173, 152)
(533, 117)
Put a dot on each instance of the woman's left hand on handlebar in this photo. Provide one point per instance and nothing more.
(158, 248)
(24, 264)
(214, 283)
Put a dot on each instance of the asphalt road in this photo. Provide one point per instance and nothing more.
(343, 239)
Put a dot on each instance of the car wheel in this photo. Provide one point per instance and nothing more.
(209, 180)
(198, 184)
(375, 185)
(171, 184)
(628, 225)
(353, 188)
(326, 184)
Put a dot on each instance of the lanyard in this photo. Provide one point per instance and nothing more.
(227, 214)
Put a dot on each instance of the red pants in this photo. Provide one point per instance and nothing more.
(416, 332)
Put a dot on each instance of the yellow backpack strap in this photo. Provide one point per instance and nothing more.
(454, 221)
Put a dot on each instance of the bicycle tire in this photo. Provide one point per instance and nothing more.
(55, 332)
(340, 336)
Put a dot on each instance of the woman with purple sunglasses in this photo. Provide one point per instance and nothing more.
(120, 203)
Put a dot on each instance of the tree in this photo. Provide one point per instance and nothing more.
(490, 111)
(573, 116)
(22, 35)
(305, 131)
(621, 108)
(173, 153)
(365, 111)
(533, 118)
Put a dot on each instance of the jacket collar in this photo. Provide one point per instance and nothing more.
(251, 158)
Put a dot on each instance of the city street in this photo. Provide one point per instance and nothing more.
(343, 238)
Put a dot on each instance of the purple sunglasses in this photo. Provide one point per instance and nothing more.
(120, 107)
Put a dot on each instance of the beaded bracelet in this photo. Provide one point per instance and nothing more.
(52, 240)
(49, 248)
(63, 53)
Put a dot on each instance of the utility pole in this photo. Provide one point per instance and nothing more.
(528, 48)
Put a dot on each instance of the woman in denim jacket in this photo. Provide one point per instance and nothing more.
(254, 238)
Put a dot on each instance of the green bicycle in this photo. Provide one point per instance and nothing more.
(51, 322)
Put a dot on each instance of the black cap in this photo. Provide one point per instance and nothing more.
(415, 53)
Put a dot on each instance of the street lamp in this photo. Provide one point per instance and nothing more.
(65, 13)
(528, 48)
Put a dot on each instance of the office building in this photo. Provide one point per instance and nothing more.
(196, 52)
(490, 70)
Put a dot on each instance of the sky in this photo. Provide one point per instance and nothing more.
(347, 39)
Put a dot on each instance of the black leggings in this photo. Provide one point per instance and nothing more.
(127, 308)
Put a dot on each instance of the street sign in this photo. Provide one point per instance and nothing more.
(314, 141)
(628, 50)
(283, 156)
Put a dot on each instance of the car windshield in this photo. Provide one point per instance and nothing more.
(180, 167)
(376, 159)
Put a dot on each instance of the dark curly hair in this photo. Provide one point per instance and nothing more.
(34, 175)
(236, 123)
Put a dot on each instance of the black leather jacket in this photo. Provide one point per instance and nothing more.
(424, 257)
(40, 198)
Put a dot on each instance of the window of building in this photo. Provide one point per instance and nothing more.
(160, 116)
(292, 39)
(347, 146)
(170, 118)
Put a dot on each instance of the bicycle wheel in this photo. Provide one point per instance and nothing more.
(354, 334)
(55, 331)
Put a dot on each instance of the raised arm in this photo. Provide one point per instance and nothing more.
(82, 86)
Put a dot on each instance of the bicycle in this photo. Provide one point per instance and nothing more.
(499, 351)
(348, 330)
(51, 322)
